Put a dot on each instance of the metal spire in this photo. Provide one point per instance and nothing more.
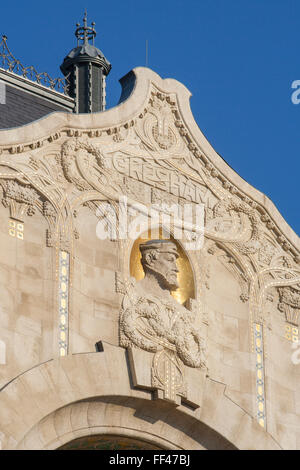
(87, 68)
(85, 33)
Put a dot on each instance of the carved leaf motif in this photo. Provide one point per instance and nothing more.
(19, 198)
(289, 304)
(266, 252)
(48, 209)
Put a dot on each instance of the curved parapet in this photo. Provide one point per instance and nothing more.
(228, 341)
(136, 89)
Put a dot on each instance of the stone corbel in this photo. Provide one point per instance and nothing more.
(20, 199)
(289, 304)
(169, 380)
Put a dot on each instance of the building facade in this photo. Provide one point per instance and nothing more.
(113, 335)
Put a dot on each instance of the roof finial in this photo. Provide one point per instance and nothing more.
(85, 19)
(85, 33)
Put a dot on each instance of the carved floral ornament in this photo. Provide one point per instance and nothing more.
(289, 303)
(19, 198)
(33, 187)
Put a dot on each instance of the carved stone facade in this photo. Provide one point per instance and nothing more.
(206, 363)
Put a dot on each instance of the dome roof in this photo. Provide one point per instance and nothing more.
(86, 53)
(85, 49)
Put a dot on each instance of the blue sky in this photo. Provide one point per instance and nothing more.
(237, 57)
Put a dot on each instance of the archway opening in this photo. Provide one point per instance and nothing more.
(108, 442)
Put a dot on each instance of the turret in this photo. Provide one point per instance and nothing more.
(86, 69)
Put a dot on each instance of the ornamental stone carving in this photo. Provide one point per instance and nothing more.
(152, 320)
(266, 252)
(289, 304)
(19, 198)
(251, 246)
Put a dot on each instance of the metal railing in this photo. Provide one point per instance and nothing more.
(11, 64)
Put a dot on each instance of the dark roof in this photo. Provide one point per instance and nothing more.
(83, 53)
(85, 49)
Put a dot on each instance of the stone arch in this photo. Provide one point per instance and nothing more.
(83, 394)
(108, 442)
(125, 417)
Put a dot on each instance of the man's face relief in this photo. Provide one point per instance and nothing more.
(166, 266)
